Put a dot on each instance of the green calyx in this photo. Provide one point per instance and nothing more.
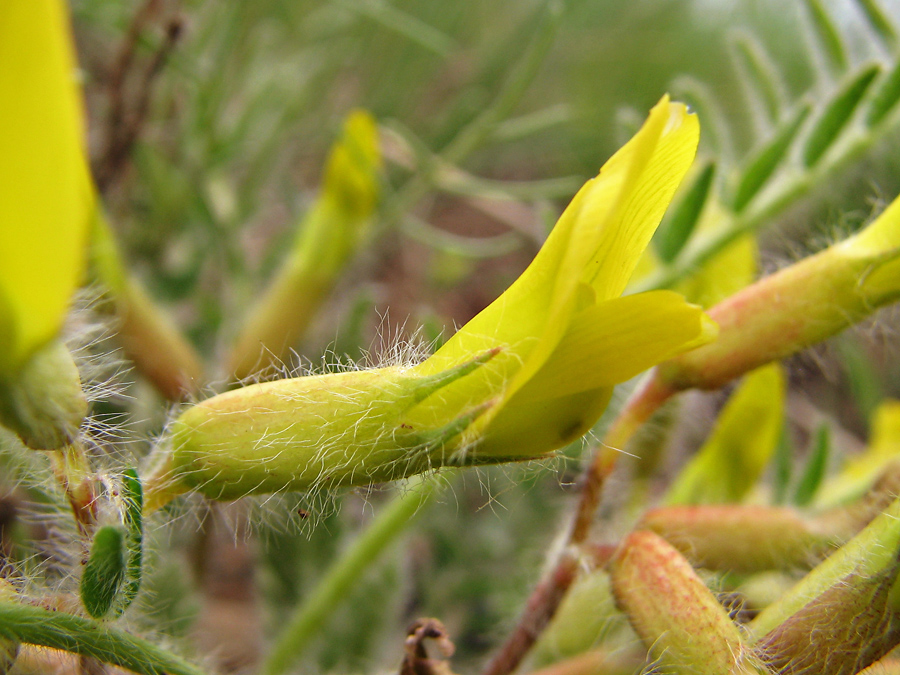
(43, 401)
(310, 432)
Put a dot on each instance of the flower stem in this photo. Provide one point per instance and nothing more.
(646, 400)
(551, 591)
(58, 630)
(343, 573)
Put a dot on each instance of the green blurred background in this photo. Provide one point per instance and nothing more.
(228, 153)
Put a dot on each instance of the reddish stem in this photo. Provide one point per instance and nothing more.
(549, 593)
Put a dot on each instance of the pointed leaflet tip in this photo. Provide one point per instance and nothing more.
(424, 387)
(837, 113)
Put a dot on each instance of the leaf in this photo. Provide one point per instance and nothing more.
(879, 21)
(763, 163)
(133, 498)
(759, 73)
(677, 227)
(105, 571)
(837, 113)
(828, 36)
(814, 471)
(782, 468)
(885, 97)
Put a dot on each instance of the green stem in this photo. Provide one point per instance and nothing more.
(769, 205)
(345, 571)
(58, 630)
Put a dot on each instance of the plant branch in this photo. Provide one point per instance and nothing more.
(482, 128)
(86, 637)
(551, 591)
(128, 112)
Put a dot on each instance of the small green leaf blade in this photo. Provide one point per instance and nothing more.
(827, 34)
(782, 467)
(764, 163)
(814, 470)
(837, 113)
(675, 230)
(879, 21)
(885, 97)
(133, 518)
(105, 571)
(759, 73)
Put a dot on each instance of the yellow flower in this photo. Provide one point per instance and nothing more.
(47, 202)
(529, 374)
(45, 188)
(566, 337)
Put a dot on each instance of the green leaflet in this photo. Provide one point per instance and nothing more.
(105, 571)
(133, 498)
(885, 97)
(837, 113)
(766, 160)
(814, 471)
(827, 34)
(678, 226)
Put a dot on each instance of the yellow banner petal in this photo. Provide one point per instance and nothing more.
(588, 257)
(45, 188)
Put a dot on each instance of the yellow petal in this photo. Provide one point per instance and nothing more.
(45, 188)
(599, 239)
(334, 226)
(530, 428)
(745, 435)
(726, 273)
(617, 339)
(588, 256)
(606, 344)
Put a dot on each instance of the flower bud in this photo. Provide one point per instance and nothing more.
(770, 538)
(674, 613)
(148, 336)
(328, 236)
(43, 402)
(308, 432)
(843, 615)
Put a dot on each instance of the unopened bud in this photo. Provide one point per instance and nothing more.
(843, 615)
(673, 612)
(302, 433)
(43, 401)
(769, 538)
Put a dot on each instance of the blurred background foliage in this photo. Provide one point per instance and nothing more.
(233, 107)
